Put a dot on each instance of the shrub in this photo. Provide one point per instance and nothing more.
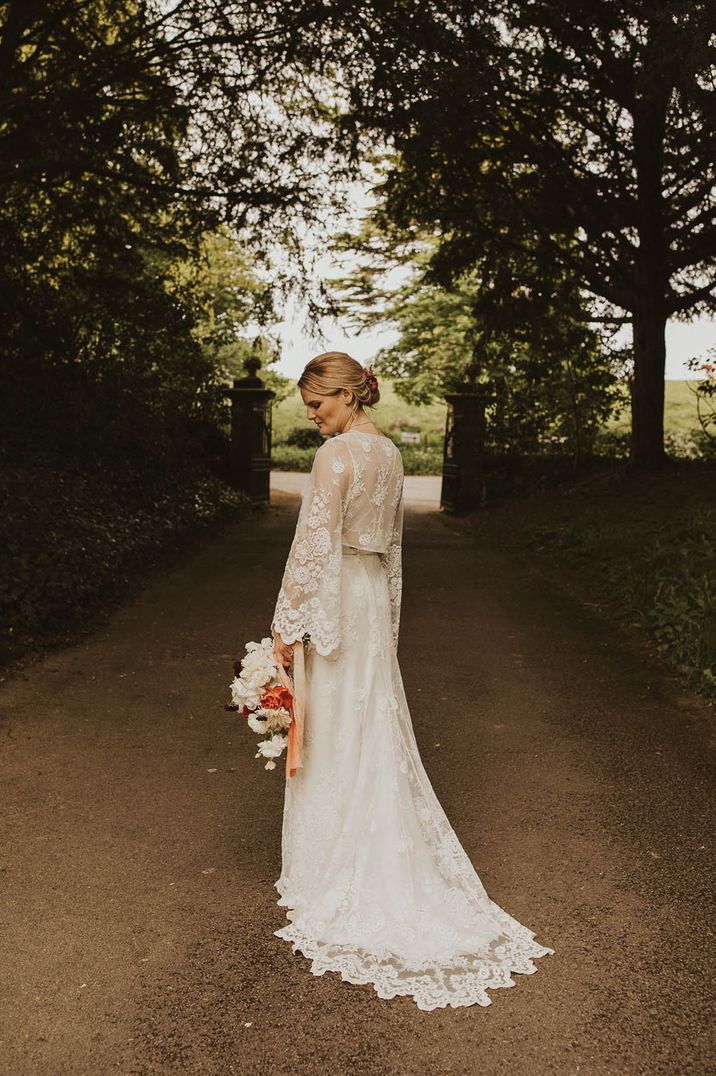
(78, 537)
(304, 437)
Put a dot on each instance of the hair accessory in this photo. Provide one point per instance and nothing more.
(370, 377)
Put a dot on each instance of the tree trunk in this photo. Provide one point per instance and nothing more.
(647, 405)
(651, 272)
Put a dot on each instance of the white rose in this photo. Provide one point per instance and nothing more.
(258, 674)
(256, 653)
(244, 694)
(250, 661)
(257, 724)
(271, 748)
(265, 644)
(255, 678)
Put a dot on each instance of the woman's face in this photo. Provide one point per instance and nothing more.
(328, 413)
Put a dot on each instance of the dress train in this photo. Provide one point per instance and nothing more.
(375, 880)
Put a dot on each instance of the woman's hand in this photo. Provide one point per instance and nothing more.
(283, 652)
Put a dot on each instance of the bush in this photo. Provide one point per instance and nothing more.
(612, 443)
(304, 437)
(689, 445)
(77, 533)
(292, 458)
(292, 455)
(421, 459)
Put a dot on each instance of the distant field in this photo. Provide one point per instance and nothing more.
(679, 409)
(393, 415)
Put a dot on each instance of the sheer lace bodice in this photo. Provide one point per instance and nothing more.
(353, 498)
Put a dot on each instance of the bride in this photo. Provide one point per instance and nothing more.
(377, 884)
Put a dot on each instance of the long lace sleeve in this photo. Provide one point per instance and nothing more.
(309, 598)
(393, 563)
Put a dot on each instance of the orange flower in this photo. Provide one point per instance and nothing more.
(276, 697)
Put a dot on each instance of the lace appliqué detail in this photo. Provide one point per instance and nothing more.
(309, 597)
(452, 982)
(351, 498)
(392, 561)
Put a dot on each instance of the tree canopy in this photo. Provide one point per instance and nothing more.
(551, 379)
(120, 158)
(579, 136)
(556, 151)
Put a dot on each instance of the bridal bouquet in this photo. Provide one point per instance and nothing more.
(264, 693)
(263, 700)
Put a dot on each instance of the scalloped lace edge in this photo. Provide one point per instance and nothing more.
(428, 987)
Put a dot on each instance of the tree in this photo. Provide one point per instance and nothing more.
(116, 165)
(552, 379)
(581, 135)
(436, 326)
(227, 296)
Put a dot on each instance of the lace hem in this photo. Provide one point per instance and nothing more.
(454, 982)
(324, 643)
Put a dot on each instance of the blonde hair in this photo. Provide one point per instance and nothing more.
(332, 371)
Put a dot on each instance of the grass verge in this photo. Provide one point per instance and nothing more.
(645, 544)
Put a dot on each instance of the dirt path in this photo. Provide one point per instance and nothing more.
(142, 838)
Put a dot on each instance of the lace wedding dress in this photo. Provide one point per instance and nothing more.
(378, 885)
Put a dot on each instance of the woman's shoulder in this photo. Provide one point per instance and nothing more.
(333, 453)
(332, 446)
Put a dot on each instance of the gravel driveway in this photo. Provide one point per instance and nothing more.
(142, 838)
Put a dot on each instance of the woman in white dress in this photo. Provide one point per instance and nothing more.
(377, 884)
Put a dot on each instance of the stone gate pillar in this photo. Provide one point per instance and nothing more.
(250, 453)
(463, 485)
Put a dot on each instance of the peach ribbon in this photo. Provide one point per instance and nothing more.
(294, 751)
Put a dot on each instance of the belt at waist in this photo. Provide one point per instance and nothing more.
(353, 551)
